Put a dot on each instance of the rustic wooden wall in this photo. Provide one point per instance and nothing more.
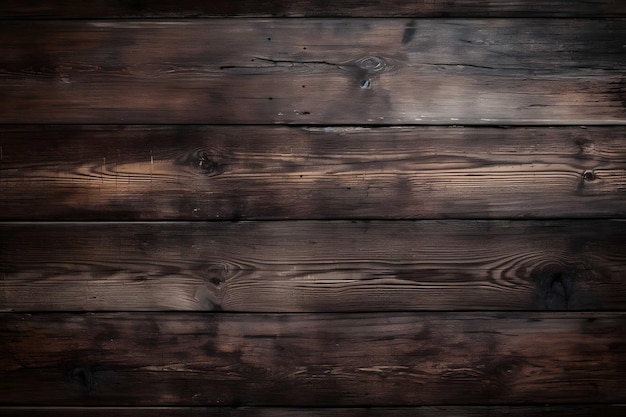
(313, 208)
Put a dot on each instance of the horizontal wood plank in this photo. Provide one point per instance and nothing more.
(256, 172)
(324, 359)
(313, 266)
(616, 410)
(314, 71)
(364, 8)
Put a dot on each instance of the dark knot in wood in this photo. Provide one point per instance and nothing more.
(219, 273)
(556, 285)
(589, 176)
(208, 164)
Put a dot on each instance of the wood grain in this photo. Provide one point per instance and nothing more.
(256, 172)
(441, 411)
(324, 359)
(313, 266)
(350, 8)
(314, 71)
(266, 208)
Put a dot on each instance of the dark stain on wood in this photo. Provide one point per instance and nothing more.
(83, 379)
(558, 291)
(409, 32)
(619, 88)
(559, 287)
(88, 381)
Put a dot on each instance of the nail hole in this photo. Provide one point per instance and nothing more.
(269, 39)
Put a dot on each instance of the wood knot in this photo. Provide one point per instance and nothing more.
(500, 374)
(208, 164)
(589, 176)
(371, 64)
(507, 368)
(555, 286)
(219, 273)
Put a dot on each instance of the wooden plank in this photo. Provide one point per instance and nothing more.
(144, 359)
(350, 8)
(314, 71)
(441, 411)
(313, 266)
(255, 172)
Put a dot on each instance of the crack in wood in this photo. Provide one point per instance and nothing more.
(369, 64)
(277, 62)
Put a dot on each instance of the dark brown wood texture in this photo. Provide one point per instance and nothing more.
(299, 360)
(438, 189)
(314, 71)
(374, 8)
(314, 266)
(237, 172)
(424, 411)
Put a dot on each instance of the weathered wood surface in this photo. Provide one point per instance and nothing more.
(255, 172)
(314, 71)
(128, 110)
(616, 410)
(323, 359)
(350, 8)
(313, 266)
